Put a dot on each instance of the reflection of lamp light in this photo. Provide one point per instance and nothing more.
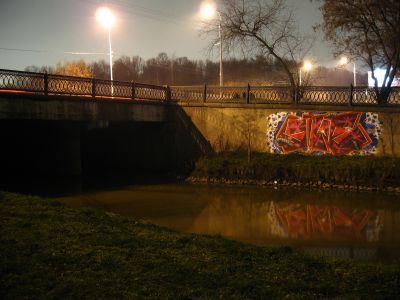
(208, 10)
(344, 61)
(106, 18)
(307, 66)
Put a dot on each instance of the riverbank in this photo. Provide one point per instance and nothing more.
(52, 251)
(364, 173)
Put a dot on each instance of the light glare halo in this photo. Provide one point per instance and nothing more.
(105, 17)
(208, 10)
(307, 66)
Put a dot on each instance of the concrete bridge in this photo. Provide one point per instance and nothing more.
(65, 125)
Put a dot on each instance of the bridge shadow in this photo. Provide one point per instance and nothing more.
(201, 145)
(56, 157)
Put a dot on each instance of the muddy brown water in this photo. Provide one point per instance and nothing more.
(363, 226)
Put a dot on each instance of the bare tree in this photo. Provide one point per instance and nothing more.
(393, 126)
(101, 69)
(368, 30)
(246, 125)
(37, 69)
(263, 27)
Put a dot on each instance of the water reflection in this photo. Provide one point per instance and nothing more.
(286, 220)
(361, 225)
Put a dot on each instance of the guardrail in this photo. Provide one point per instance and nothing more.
(49, 84)
(312, 95)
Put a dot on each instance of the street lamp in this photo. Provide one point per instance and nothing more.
(344, 61)
(307, 66)
(208, 10)
(106, 18)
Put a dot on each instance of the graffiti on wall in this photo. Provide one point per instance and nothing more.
(298, 221)
(324, 133)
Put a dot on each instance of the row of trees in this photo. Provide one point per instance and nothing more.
(267, 32)
(369, 31)
(165, 70)
(366, 30)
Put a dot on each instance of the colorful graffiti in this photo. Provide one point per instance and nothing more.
(324, 133)
(313, 221)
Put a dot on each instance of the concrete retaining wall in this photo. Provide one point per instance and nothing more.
(234, 127)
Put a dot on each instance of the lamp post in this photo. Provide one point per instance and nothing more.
(307, 66)
(344, 61)
(106, 18)
(208, 10)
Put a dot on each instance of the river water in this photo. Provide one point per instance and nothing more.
(363, 226)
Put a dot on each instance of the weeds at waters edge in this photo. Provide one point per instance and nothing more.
(377, 172)
(52, 251)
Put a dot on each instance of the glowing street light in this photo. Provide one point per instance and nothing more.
(307, 66)
(106, 18)
(344, 61)
(208, 10)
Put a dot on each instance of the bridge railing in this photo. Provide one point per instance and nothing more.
(243, 95)
(312, 95)
(50, 84)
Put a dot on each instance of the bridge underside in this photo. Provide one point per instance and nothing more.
(69, 148)
(70, 136)
(64, 135)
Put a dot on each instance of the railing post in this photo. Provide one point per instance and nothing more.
(351, 95)
(93, 87)
(205, 94)
(167, 93)
(46, 83)
(133, 90)
(248, 94)
(296, 95)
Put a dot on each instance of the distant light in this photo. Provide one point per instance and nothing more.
(105, 17)
(208, 9)
(379, 74)
(343, 61)
(307, 66)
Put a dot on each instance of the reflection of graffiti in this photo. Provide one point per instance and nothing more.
(311, 221)
(325, 133)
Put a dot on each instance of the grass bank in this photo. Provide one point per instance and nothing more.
(360, 172)
(52, 251)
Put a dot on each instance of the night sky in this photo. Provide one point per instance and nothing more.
(40, 32)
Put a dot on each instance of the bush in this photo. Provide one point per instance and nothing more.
(344, 170)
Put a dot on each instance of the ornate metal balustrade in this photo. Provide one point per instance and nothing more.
(151, 92)
(226, 94)
(324, 95)
(216, 94)
(69, 85)
(188, 93)
(271, 94)
(319, 95)
(364, 96)
(49, 84)
(22, 81)
(394, 97)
